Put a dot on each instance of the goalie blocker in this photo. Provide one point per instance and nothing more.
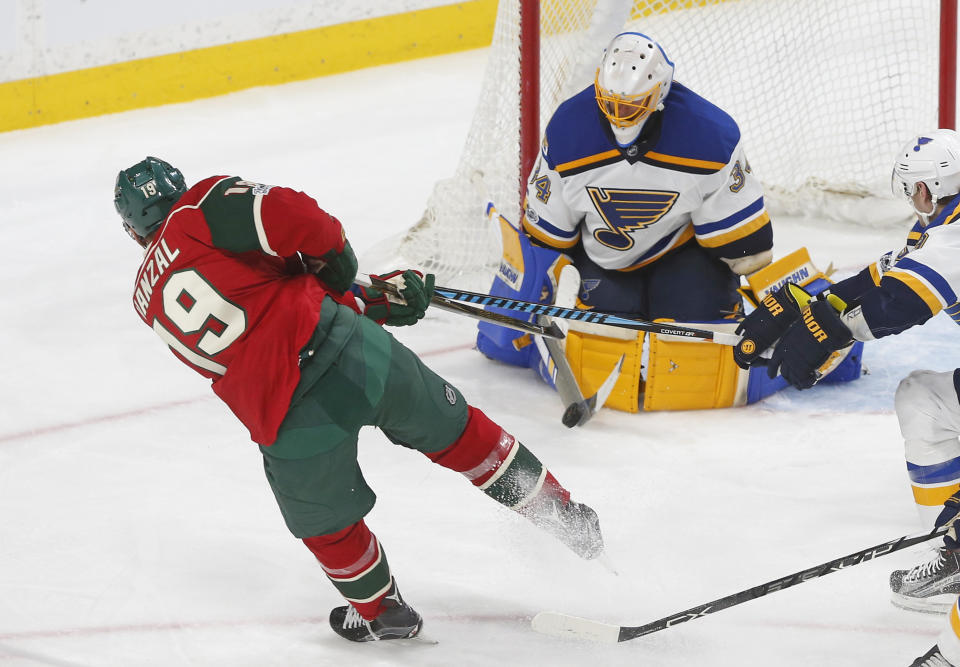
(681, 374)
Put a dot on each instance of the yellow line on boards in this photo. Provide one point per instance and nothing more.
(215, 70)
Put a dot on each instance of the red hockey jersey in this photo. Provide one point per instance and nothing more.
(217, 287)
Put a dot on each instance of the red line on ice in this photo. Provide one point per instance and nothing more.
(104, 419)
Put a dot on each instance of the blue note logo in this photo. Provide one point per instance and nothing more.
(587, 285)
(920, 142)
(624, 211)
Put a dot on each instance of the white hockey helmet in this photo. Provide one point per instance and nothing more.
(633, 79)
(933, 159)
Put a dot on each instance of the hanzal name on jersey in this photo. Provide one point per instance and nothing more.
(150, 273)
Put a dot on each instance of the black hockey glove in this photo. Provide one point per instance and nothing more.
(398, 311)
(948, 517)
(337, 270)
(767, 323)
(810, 342)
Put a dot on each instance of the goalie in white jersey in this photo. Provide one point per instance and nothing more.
(642, 203)
(651, 193)
(901, 290)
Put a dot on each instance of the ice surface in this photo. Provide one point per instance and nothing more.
(136, 527)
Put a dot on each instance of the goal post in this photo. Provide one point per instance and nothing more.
(529, 89)
(824, 92)
(948, 64)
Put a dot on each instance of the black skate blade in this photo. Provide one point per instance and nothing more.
(418, 639)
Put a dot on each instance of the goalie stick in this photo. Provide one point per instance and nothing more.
(563, 625)
(577, 409)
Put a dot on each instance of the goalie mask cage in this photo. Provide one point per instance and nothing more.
(824, 91)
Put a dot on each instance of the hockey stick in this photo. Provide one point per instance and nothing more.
(577, 314)
(577, 409)
(594, 317)
(550, 330)
(554, 623)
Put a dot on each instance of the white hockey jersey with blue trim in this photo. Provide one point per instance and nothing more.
(907, 288)
(685, 177)
(930, 263)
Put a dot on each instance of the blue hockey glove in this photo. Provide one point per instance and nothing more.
(767, 323)
(948, 517)
(337, 270)
(809, 343)
(408, 308)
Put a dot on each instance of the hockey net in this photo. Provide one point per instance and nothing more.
(825, 92)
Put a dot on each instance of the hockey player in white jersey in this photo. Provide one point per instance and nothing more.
(901, 290)
(651, 193)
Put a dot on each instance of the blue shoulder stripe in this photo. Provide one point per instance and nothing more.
(575, 136)
(950, 213)
(695, 128)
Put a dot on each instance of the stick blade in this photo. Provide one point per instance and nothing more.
(603, 393)
(563, 625)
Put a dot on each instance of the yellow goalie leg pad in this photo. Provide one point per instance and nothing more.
(691, 375)
(592, 357)
(793, 268)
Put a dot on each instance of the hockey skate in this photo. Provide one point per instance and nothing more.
(931, 586)
(574, 524)
(398, 620)
(932, 658)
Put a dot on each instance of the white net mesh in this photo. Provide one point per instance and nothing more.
(824, 92)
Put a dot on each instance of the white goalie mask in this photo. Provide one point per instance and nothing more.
(933, 159)
(632, 81)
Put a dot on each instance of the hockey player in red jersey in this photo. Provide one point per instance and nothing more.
(252, 286)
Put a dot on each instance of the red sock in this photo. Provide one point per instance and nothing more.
(483, 448)
(356, 565)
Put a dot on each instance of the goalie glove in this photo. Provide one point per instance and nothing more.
(948, 517)
(767, 323)
(404, 310)
(810, 343)
(337, 270)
